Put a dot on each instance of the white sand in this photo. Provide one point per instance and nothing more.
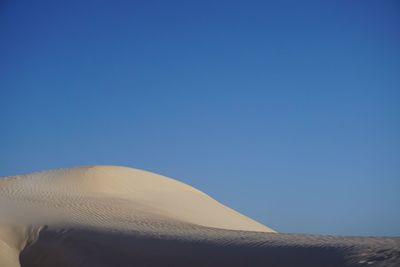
(118, 216)
(110, 197)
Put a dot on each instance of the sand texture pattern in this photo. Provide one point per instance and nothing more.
(119, 216)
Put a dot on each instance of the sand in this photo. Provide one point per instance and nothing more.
(118, 216)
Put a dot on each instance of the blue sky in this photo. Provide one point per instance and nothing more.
(288, 111)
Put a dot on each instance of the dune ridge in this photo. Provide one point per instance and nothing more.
(109, 195)
(120, 216)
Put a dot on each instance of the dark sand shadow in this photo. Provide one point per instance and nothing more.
(210, 247)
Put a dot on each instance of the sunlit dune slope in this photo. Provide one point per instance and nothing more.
(101, 216)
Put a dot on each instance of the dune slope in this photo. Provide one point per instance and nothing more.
(118, 216)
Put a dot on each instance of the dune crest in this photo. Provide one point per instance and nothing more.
(111, 197)
(118, 216)
(81, 193)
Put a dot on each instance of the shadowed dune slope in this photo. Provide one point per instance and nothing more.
(201, 246)
(118, 216)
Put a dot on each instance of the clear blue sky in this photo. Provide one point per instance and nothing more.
(287, 111)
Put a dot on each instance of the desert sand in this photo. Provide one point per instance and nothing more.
(119, 216)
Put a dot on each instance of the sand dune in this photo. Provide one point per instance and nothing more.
(118, 216)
